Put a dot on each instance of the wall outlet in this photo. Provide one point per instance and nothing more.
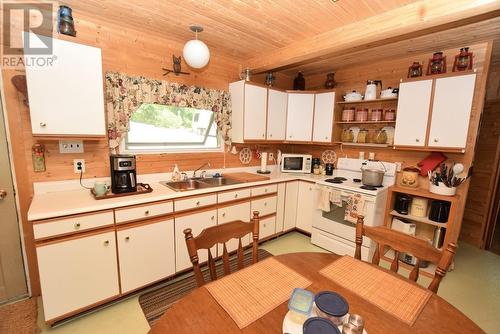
(271, 156)
(74, 146)
(79, 165)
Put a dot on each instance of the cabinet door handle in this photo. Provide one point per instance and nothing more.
(235, 195)
(265, 190)
(326, 137)
(127, 238)
(198, 203)
(146, 212)
(106, 243)
(212, 218)
(289, 136)
(77, 226)
(417, 140)
(43, 124)
(270, 135)
(224, 214)
(436, 140)
(263, 135)
(310, 188)
(265, 203)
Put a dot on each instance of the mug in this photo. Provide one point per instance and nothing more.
(100, 188)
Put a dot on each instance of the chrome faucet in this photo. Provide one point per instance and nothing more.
(197, 169)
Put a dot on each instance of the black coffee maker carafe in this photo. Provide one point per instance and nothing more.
(123, 173)
(402, 203)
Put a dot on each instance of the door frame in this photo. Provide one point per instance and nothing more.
(4, 116)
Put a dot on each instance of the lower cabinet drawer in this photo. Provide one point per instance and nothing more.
(77, 273)
(194, 202)
(231, 213)
(267, 227)
(265, 206)
(146, 254)
(264, 190)
(143, 211)
(233, 195)
(72, 224)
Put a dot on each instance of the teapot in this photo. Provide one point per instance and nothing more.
(353, 96)
(389, 93)
(371, 89)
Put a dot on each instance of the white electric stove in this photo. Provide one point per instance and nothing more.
(329, 229)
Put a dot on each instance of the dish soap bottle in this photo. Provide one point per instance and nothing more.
(176, 174)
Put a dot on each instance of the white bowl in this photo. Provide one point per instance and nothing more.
(441, 189)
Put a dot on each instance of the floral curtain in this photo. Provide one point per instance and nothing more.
(124, 94)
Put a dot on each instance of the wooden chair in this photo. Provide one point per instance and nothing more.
(400, 242)
(221, 234)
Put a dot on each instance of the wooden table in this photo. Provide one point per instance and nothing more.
(200, 313)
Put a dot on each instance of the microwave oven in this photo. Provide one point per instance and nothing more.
(296, 163)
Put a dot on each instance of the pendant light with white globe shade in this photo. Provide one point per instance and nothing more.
(195, 52)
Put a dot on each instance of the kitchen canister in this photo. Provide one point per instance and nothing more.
(376, 115)
(347, 115)
(390, 115)
(361, 115)
(419, 207)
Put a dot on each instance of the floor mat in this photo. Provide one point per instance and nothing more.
(19, 317)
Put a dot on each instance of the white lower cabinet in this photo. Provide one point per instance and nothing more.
(196, 221)
(267, 227)
(76, 273)
(280, 207)
(231, 213)
(146, 254)
(292, 189)
(305, 205)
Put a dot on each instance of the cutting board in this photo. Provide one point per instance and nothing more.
(246, 177)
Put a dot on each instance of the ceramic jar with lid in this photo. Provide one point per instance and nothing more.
(361, 115)
(390, 115)
(362, 136)
(376, 115)
(381, 137)
(419, 207)
(348, 115)
(410, 177)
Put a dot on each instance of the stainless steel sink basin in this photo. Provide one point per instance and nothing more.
(199, 183)
(219, 181)
(185, 185)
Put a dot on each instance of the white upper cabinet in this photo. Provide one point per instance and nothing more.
(412, 113)
(451, 111)
(300, 117)
(323, 117)
(255, 112)
(276, 115)
(66, 98)
(249, 111)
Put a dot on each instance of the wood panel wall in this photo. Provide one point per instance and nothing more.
(477, 223)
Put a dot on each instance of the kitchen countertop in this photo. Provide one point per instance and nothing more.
(57, 203)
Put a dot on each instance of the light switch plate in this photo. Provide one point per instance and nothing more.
(70, 146)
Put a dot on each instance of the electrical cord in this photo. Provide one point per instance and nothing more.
(81, 174)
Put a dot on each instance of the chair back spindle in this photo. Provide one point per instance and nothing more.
(221, 234)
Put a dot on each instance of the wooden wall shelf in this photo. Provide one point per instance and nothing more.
(364, 144)
(424, 220)
(424, 193)
(369, 101)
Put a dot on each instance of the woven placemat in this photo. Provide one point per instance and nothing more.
(402, 299)
(250, 293)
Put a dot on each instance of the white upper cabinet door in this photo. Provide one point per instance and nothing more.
(66, 98)
(300, 117)
(276, 115)
(255, 112)
(451, 111)
(412, 113)
(323, 117)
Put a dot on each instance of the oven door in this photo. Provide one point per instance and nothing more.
(333, 222)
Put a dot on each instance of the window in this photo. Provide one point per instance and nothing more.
(156, 127)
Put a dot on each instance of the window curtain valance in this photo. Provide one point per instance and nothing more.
(124, 94)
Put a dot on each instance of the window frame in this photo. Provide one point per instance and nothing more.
(185, 147)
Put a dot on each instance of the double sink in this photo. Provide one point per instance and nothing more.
(199, 183)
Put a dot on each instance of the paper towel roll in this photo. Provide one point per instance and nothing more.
(263, 162)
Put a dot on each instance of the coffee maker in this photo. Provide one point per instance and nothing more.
(123, 174)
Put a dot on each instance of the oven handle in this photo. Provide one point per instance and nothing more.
(343, 193)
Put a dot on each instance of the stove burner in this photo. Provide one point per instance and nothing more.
(340, 178)
(334, 180)
(368, 187)
(356, 180)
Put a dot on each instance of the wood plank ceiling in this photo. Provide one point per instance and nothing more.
(240, 29)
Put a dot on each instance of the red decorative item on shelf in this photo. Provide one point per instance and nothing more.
(463, 61)
(415, 70)
(437, 64)
(431, 162)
